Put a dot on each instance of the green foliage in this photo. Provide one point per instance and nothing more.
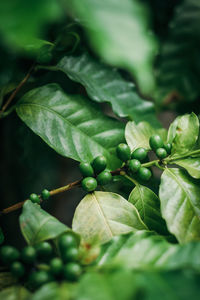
(180, 206)
(102, 215)
(37, 225)
(178, 67)
(105, 84)
(15, 293)
(85, 133)
(123, 23)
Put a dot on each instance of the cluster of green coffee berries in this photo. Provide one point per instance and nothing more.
(36, 199)
(135, 159)
(95, 173)
(43, 263)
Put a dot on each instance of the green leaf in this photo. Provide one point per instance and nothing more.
(180, 204)
(71, 125)
(113, 27)
(55, 291)
(19, 28)
(148, 206)
(151, 285)
(191, 164)
(137, 135)
(1, 236)
(15, 293)
(145, 250)
(102, 215)
(186, 134)
(37, 225)
(179, 67)
(105, 84)
(116, 285)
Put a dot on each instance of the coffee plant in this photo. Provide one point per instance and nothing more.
(108, 92)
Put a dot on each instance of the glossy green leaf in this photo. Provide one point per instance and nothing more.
(105, 84)
(191, 164)
(137, 135)
(127, 285)
(15, 293)
(180, 204)
(178, 70)
(55, 291)
(72, 125)
(112, 28)
(145, 250)
(102, 215)
(148, 206)
(19, 28)
(186, 134)
(116, 285)
(37, 225)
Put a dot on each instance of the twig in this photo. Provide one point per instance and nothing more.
(14, 93)
(52, 193)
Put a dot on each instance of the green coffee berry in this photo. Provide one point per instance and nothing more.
(9, 254)
(28, 255)
(104, 178)
(86, 169)
(89, 184)
(38, 278)
(123, 152)
(168, 147)
(56, 266)
(17, 269)
(70, 254)
(67, 240)
(72, 271)
(161, 153)
(45, 194)
(134, 165)
(155, 142)
(44, 250)
(34, 198)
(99, 164)
(144, 173)
(139, 154)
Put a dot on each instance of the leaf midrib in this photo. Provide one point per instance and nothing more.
(185, 191)
(70, 124)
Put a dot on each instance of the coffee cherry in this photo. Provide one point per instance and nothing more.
(86, 169)
(161, 153)
(17, 269)
(139, 154)
(56, 266)
(134, 165)
(144, 173)
(34, 198)
(28, 255)
(168, 147)
(123, 152)
(67, 240)
(9, 254)
(70, 254)
(99, 164)
(44, 250)
(72, 271)
(155, 142)
(89, 184)
(104, 178)
(38, 278)
(45, 194)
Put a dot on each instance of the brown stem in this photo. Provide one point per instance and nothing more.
(14, 93)
(52, 193)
